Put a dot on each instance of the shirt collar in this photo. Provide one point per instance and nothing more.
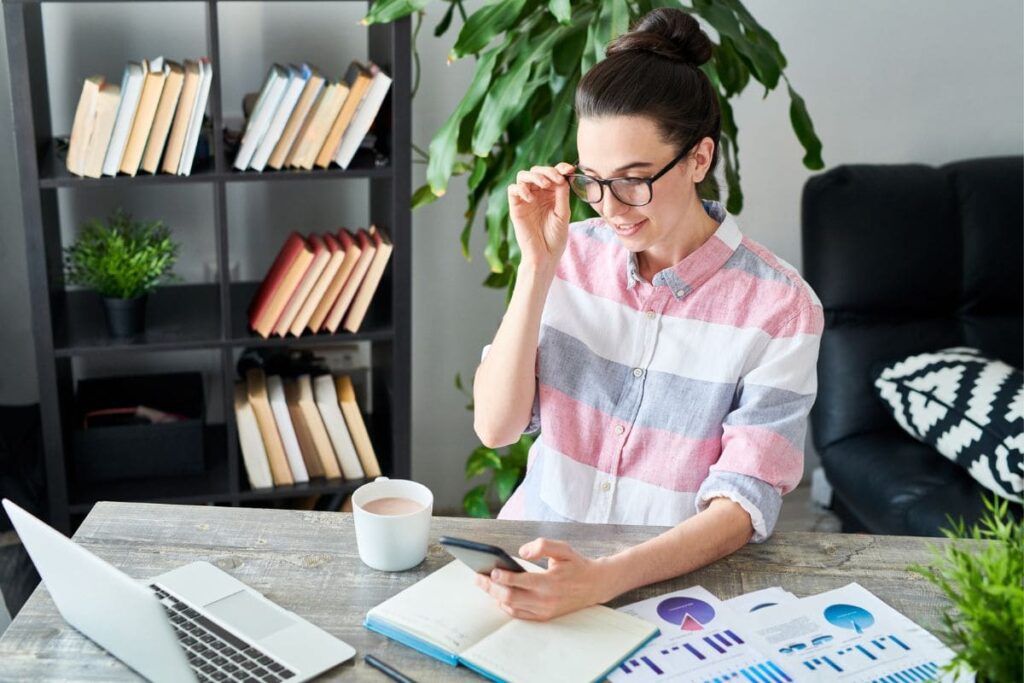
(705, 261)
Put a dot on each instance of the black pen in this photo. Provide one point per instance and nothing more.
(391, 672)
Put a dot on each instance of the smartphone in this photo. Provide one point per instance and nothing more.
(480, 557)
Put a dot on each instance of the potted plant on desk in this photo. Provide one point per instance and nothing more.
(123, 260)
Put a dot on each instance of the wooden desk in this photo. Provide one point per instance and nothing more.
(307, 562)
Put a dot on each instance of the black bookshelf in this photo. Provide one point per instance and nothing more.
(70, 324)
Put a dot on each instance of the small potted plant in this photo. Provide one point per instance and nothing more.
(123, 260)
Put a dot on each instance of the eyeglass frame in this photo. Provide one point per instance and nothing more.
(608, 181)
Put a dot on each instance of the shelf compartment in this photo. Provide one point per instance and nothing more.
(178, 317)
(314, 487)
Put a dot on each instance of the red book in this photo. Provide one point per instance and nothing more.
(280, 283)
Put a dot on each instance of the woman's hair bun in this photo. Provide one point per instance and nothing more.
(669, 33)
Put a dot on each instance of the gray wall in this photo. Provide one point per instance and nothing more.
(914, 81)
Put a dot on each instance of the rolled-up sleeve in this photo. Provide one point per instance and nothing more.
(763, 435)
(533, 427)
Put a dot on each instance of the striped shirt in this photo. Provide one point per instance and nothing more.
(655, 397)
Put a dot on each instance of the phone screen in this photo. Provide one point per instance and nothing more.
(480, 557)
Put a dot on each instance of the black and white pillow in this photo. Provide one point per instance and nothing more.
(968, 407)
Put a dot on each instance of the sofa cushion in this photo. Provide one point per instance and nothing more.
(968, 407)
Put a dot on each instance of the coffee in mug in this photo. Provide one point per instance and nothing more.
(392, 520)
(392, 505)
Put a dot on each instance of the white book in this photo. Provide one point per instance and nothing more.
(131, 90)
(330, 410)
(364, 116)
(195, 123)
(262, 114)
(297, 77)
(278, 404)
(254, 454)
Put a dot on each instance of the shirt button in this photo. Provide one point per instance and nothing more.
(680, 294)
(605, 486)
(637, 372)
(650, 315)
(619, 429)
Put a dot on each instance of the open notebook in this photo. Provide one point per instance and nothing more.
(446, 616)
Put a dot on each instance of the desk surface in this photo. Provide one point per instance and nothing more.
(307, 562)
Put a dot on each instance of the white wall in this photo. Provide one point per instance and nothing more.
(913, 81)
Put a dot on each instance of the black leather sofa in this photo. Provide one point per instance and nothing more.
(907, 259)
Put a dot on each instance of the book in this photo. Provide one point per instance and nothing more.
(149, 99)
(107, 101)
(256, 390)
(359, 80)
(447, 617)
(131, 89)
(305, 286)
(335, 256)
(356, 426)
(297, 77)
(279, 406)
(179, 127)
(164, 115)
(368, 287)
(330, 410)
(254, 455)
(312, 137)
(266, 106)
(348, 264)
(314, 86)
(195, 119)
(279, 284)
(317, 430)
(306, 445)
(364, 116)
(82, 126)
(348, 292)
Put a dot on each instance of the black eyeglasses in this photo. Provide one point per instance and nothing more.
(631, 191)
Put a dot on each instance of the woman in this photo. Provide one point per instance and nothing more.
(668, 359)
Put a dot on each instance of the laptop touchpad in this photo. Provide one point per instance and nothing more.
(250, 616)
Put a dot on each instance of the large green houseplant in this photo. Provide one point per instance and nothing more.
(518, 112)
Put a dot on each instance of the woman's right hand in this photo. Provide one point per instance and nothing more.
(539, 208)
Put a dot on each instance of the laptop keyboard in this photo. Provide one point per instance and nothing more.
(214, 653)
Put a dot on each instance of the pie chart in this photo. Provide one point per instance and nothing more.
(689, 614)
(849, 616)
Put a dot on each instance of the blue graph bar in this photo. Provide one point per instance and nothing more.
(898, 642)
(736, 638)
(722, 639)
(695, 651)
(768, 672)
(832, 664)
(809, 665)
(866, 653)
(714, 645)
(757, 674)
(878, 644)
(903, 679)
(779, 671)
(654, 667)
(750, 678)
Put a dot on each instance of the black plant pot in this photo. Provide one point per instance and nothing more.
(125, 317)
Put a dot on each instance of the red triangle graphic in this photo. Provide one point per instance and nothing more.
(690, 624)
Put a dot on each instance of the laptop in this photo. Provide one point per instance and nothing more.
(195, 623)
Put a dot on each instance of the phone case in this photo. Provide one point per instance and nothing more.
(480, 557)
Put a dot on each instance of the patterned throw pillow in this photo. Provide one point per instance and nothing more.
(968, 407)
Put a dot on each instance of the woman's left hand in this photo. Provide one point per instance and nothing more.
(570, 582)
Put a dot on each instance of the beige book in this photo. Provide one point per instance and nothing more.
(358, 79)
(317, 430)
(152, 89)
(348, 292)
(284, 285)
(330, 410)
(312, 139)
(356, 426)
(348, 264)
(314, 86)
(163, 118)
(179, 126)
(368, 287)
(254, 454)
(107, 101)
(259, 399)
(335, 257)
(83, 124)
(320, 258)
(306, 445)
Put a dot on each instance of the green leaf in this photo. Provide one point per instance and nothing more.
(384, 11)
(445, 22)
(505, 481)
(498, 280)
(518, 452)
(804, 129)
(732, 72)
(483, 25)
(481, 460)
(561, 10)
(566, 55)
(475, 502)
(423, 195)
(760, 59)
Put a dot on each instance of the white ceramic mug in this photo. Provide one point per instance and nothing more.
(392, 543)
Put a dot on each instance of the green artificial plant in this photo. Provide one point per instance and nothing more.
(985, 584)
(518, 109)
(122, 258)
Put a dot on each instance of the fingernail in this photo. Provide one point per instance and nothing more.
(496, 575)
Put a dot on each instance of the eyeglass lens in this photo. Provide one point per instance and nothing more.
(632, 191)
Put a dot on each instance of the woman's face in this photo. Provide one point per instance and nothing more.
(632, 146)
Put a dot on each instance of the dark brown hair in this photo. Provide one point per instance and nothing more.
(652, 71)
